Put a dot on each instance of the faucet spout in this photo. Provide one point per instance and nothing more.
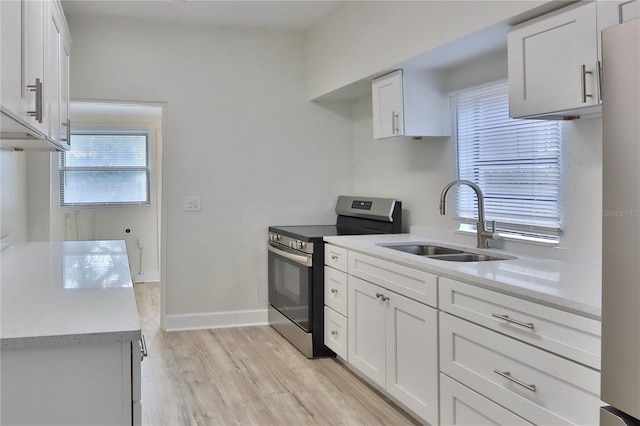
(483, 235)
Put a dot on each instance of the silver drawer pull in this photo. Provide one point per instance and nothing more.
(385, 298)
(334, 332)
(507, 375)
(334, 290)
(334, 257)
(513, 321)
(379, 295)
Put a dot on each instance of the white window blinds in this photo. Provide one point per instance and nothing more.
(516, 163)
(106, 168)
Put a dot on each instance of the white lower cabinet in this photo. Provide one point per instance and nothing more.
(461, 406)
(538, 386)
(74, 384)
(393, 341)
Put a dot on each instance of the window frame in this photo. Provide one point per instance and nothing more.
(125, 131)
(523, 232)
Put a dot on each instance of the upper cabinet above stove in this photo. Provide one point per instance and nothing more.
(554, 60)
(410, 103)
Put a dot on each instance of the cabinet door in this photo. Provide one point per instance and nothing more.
(65, 122)
(553, 63)
(34, 58)
(459, 405)
(412, 355)
(52, 68)
(388, 119)
(11, 66)
(366, 329)
(335, 332)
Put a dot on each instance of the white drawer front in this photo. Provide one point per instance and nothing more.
(335, 290)
(459, 405)
(415, 284)
(560, 391)
(567, 334)
(336, 257)
(335, 332)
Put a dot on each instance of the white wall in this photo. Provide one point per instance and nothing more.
(417, 171)
(13, 197)
(362, 38)
(239, 132)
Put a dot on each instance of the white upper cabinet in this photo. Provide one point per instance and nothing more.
(410, 103)
(554, 61)
(35, 75)
(553, 64)
(12, 95)
(56, 67)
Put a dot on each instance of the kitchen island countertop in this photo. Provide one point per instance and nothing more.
(66, 292)
(569, 285)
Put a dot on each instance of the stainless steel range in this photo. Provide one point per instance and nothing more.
(296, 267)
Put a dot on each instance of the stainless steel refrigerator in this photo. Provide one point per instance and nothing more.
(620, 380)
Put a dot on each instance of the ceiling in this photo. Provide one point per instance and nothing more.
(290, 15)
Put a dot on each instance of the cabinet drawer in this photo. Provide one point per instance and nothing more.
(567, 334)
(459, 405)
(415, 284)
(335, 290)
(540, 387)
(335, 332)
(336, 257)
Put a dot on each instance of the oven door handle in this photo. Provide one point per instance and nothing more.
(303, 260)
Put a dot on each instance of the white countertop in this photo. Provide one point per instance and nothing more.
(569, 285)
(66, 292)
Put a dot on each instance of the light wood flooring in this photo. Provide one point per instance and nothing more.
(247, 376)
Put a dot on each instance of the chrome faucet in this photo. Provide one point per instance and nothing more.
(483, 235)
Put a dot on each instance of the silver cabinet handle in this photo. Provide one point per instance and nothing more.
(334, 332)
(334, 257)
(583, 75)
(37, 87)
(507, 375)
(514, 321)
(599, 65)
(394, 123)
(68, 126)
(385, 298)
(334, 290)
(143, 348)
(378, 295)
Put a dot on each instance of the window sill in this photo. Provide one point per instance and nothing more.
(514, 238)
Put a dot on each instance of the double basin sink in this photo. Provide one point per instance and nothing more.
(444, 253)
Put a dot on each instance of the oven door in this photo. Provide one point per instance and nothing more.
(290, 284)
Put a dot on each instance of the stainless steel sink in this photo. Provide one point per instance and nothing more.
(425, 250)
(444, 253)
(467, 257)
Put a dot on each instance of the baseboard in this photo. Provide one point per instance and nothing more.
(216, 320)
(146, 277)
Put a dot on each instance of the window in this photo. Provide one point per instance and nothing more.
(106, 168)
(516, 163)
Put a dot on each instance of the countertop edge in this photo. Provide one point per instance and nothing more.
(71, 339)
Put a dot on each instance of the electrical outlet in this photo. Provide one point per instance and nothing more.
(191, 204)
